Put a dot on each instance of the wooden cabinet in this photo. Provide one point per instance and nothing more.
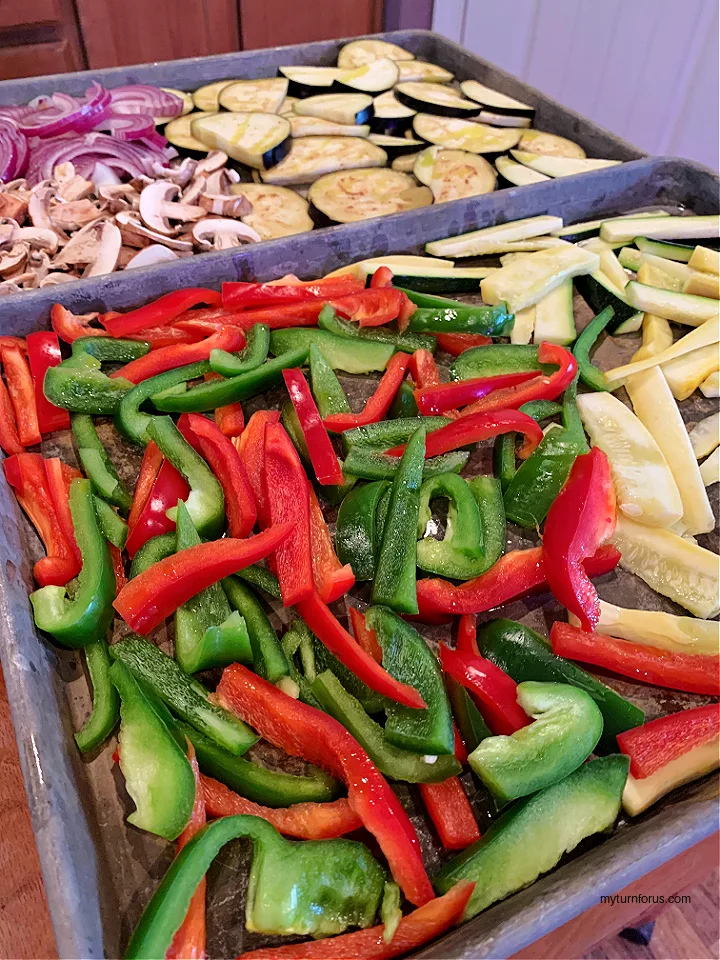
(39, 36)
(273, 23)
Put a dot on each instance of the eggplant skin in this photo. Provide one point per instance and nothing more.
(277, 153)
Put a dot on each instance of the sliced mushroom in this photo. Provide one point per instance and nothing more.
(14, 259)
(103, 176)
(180, 175)
(217, 183)
(82, 247)
(39, 238)
(151, 255)
(192, 192)
(157, 208)
(215, 160)
(117, 197)
(39, 263)
(108, 250)
(39, 206)
(8, 287)
(71, 186)
(53, 279)
(136, 234)
(8, 231)
(13, 205)
(217, 234)
(74, 214)
(225, 206)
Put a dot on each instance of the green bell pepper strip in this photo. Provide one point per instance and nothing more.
(297, 643)
(394, 584)
(406, 342)
(262, 579)
(185, 697)
(97, 464)
(110, 350)
(460, 552)
(356, 529)
(408, 658)
(227, 642)
(380, 518)
(497, 358)
(567, 726)
(330, 493)
(158, 775)
(113, 527)
(268, 656)
(432, 301)
(251, 356)
(326, 388)
(157, 548)
(206, 503)
(541, 409)
(525, 655)
(130, 421)
(87, 617)
(389, 433)
(572, 421)
(392, 761)
(316, 887)
(589, 374)
(404, 405)
(105, 700)
(271, 788)
(488, 496)
(361, 356)
(442, 315)
(367, 463)
(219, 393)
(504, 450)
(468, 718)
(390, 912)
(79, 385)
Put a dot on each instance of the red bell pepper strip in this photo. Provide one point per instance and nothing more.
(305, 821)
(364, 636)
(539, 388)
(230, 419)
(118, 567)
(160, 312)
(445, 396)
(467, 635)
(9, 439)
(457, 343)
(204, 437)
(251, 447)
(320, 449)
(480, 426)
(690, 672)
(303, 314)
(206, 315)
(43, 350)
(25, 472)
(414, 931)
(168, 358)
(515, 574)
(149, 469)
(159, 337)
(494, 691)
(581, 518)
(461, 754)
(655, 744)
(288, 495)
(379, 403)
(169, 487)
(423, 369)
(303, 731)
(157, 592)
(203, 328)
(383, 277)
(22, 395)
(190, 939)
(374, 307)
(332, 579)
(451, 813)
(10, 341)
(59, 477)
(339, 642)
(70, 326)
(239, 296)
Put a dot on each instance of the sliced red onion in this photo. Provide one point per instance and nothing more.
(13, 150)
(16, 111)
(131, 159)
(142, 98)
(128, 126)
(61, 113)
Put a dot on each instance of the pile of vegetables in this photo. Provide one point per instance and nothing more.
(226, 532)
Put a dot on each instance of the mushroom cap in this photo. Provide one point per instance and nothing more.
(155, 253)
(153, 201)
(220, 234)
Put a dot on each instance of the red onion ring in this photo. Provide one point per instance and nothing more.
(141, 98)
(13, 150)
(62, 113)
(128, 126)
(133, 159)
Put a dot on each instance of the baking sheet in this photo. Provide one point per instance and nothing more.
(98, 871)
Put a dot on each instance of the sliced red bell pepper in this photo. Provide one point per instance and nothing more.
(190, 939)
(436, 399)
(169, 487)
(320, 449)
(467, 635)
(43, 350)
(451, 813)
(383, 277)
(303, 314)
(168, 358)
(204, 437)
(149, 469)
(197, 316)
(22, 395)
(457, 343)
(288, 496)
(160, 312)
(690, 672)
(157, 592)
(251, 447)
(480, 426)
(159, 337)
(70, 326)
(379, 403)
(415, 930)
(515, 574)
(493, 690)
(10, 341)
(364, 636)
(25, 472)
(340, 643)
(204, 328)
(9, 439)
(59, 477)
(423, 369)
(303, 731)
(581, 518)
(539, 388)
(655, 744)
(239, 296)
(305, 821)
(332, 579)
(372, 308)
(230, 419)
(118, 567)
(461, 754)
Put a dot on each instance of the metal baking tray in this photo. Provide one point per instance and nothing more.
(189, 74)
(98, 871)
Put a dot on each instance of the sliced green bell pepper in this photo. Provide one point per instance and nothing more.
(408, 658)
(356, 528)
(268, 655)
(365, 356)
(497, 358)
(97, 464)
(79, 385)
(504, 450)
(589, 374)
(113, 527)
(316, 887)
(262, 579)
(87, 617)
(130, 421)
(461, 550)
(488, 496)
(110, 349)
(105, 701)
(298, 645)
(404, 405)
(389, 433)
(406, 342)
(456, 318)
(541, 409)
(157, 548)
(468, 718)
(326, 388)
(368, 463)
(251, 356)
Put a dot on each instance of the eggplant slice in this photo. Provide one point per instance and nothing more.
(419, 70)
(553, 166)
(371, 78)
(453, 174)
(550, 145)
(360, 52)
(206, 98)
(436, 98)
(301, 126)
(337, 107)
(404, 163)
(390, 116)
(276, 212)
(494, 101)
(178, 132)
(456, 134)
(516, 173)
(348, 196)
(503, 120)
(396, 146)
(313, 157)
(254, 96)
(305, 81)
(258, 140)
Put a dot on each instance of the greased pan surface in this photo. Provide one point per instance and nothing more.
(98, 871)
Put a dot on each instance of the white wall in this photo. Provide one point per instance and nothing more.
(645, 69)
